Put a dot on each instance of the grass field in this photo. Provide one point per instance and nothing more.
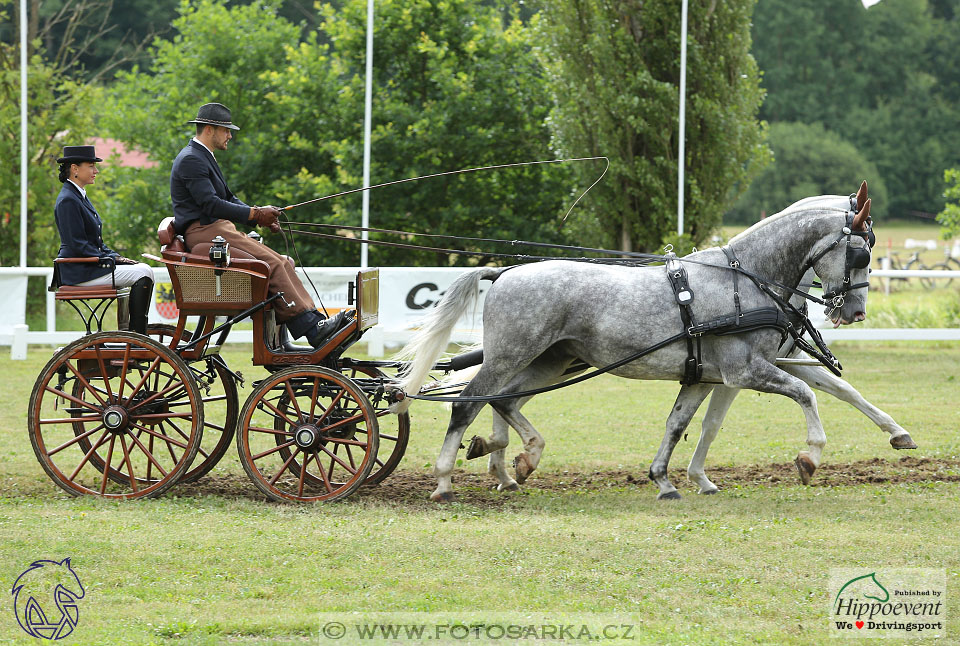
(215, 563)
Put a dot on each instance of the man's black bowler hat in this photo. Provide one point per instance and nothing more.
(215, 114)
(74, 154)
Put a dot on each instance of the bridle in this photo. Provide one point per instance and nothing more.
(855, 258)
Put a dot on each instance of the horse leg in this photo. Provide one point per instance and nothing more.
(500, 436)
(463, 414)
(495, 461)
(526, 462)
(720, 402)
(822, 379)
(688, 401)
(763, 376)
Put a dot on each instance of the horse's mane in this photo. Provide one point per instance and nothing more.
(817, 203)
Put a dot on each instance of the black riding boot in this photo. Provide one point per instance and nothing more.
(140, 294)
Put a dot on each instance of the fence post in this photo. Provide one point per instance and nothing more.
(18, 348)
(885, 264)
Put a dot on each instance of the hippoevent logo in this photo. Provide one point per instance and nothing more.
(45, 599)
(899, 603)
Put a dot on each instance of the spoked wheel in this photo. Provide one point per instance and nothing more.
(221, 406)
(394, 429)
(307, 434)
(115, 414)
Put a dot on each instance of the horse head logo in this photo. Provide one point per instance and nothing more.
(864, 584)
(42, 583)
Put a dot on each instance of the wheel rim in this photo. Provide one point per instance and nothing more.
(117, 415)
(308, 434)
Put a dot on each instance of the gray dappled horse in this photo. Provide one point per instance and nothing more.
(540, 319)
(815, 376)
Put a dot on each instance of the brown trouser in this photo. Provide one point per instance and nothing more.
(283, 277)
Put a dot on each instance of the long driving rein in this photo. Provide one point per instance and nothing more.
(857, 223)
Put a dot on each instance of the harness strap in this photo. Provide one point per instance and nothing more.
(734, 264)
(693, 366)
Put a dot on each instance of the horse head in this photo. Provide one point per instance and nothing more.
(844, 264)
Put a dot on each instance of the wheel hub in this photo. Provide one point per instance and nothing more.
(306, 436)
(115, 418)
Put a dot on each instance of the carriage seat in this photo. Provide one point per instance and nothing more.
(95, 299)
(174, 247)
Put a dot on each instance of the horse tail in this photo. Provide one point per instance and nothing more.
(431, 340)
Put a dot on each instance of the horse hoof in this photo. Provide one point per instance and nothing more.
(903, 442)
(670, 495)
(708, 492)
(510, 487)
(805, 467)
(523, 467)
(446, 496)
(477, 448)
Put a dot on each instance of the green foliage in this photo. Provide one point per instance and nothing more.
(614, 73)
(884, 78)
(453, 88)
(62, 112)
(217, 54)
(810, 160)
(456, 86)
(949, 217)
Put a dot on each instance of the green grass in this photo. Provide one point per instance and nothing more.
(750, 565)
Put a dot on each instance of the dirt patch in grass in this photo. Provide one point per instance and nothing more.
(413, 488)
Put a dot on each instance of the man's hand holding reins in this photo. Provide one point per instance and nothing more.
(266, 216)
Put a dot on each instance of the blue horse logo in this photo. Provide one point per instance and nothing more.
(42, 581)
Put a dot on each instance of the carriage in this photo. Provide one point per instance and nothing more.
(124, 415)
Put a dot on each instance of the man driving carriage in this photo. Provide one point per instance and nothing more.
(204, 207)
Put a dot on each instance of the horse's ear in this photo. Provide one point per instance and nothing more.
(863, 216)
(862, 195)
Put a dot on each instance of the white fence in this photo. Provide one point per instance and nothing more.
(405, 294)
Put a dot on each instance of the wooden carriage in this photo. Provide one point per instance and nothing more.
(119, 414)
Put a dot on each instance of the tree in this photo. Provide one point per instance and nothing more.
(810, 160)
(950, 216)
(456, 86)
(614, 72)
(886, 79)
(218, 54)
(62, 112)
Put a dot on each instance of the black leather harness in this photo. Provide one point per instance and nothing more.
(736, 323)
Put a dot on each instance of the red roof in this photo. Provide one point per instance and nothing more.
(110, 148)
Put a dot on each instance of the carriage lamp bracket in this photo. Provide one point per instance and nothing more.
(220, 257)
(351, 292)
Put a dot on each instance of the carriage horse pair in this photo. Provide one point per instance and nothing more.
(123, 415)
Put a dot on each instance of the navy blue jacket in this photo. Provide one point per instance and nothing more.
(199, 192)
(80, 236)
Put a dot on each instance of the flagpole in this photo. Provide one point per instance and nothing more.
(367, 118)
(683, 111)
(24, 167)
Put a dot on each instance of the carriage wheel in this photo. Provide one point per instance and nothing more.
(221, 405)
(132, 427)
(394, 431)
(316, 417)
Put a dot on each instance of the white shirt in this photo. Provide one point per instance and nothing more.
(79, 188)
(205, 146)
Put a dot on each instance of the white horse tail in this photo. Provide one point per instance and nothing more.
(430, 341)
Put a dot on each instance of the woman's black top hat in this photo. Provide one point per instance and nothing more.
(74, 154)
(215, 114)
